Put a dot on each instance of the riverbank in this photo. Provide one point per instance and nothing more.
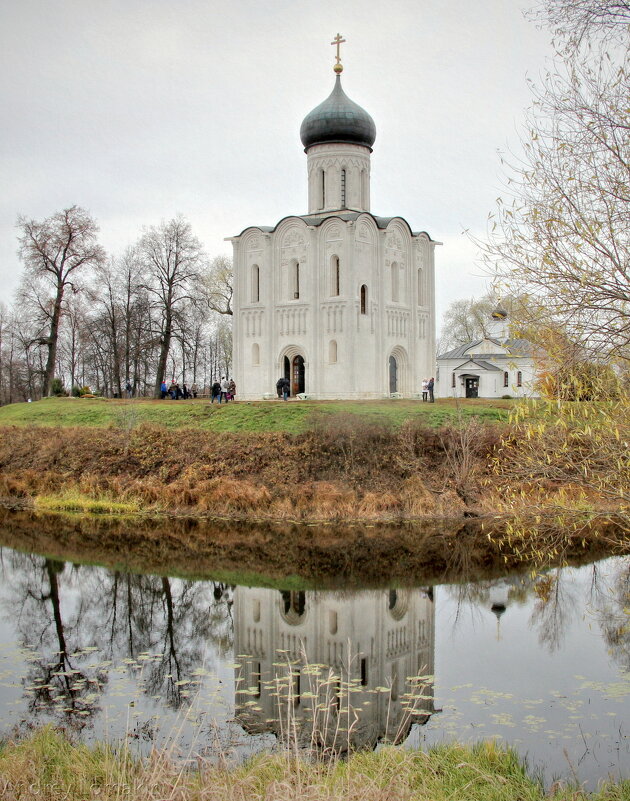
(297, 556)
(47, 767)
(364, 462)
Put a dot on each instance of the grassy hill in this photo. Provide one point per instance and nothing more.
(256, 416)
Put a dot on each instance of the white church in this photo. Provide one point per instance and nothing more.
(320, 660)
(495, 366)
(339, 301)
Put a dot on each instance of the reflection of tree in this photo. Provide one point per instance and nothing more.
(164, 625)
(168, 619)
(554, 608)
(56, 678)
(611, 602)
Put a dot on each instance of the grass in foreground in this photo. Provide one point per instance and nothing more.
(48, 768)
(75, 501)
(292, 417)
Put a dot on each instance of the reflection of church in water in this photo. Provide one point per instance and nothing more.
(367, 648)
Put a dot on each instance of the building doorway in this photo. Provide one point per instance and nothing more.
(297, 375)
(393, 374)
(472, 387)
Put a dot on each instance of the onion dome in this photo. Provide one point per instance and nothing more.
(499, 314)
(338, 119)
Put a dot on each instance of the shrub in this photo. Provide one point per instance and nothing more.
(57, 388)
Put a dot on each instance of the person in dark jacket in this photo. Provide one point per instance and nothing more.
(215, 391)
(430, 386)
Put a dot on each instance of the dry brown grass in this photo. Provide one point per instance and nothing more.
(341, 469)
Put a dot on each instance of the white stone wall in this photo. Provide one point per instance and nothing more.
(377, 638)
(326, 189)
(491, 383)
(271, 322)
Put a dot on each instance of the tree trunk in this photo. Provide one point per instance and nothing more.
(49, 370)
(164, 349)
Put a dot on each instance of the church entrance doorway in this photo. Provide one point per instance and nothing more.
(297, 375)
(393, 374)
(472, 387)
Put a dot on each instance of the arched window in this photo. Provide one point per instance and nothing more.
(453, 380)
(255, 353)
(335, 276)
(395, 279)
(420, 288)
(364, 299)
(343, 189)
(506, 379)
(294, 280)
(332, 622)
(255, 283)
(293, 605)
(332, 351)
(519, 379)
(322, 199)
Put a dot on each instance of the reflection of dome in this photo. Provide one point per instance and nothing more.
(338, 119)
(498, 609)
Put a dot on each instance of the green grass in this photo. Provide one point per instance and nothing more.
(74, 501)
(47, 767)
(291, 417)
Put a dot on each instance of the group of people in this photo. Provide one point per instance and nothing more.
(283, 387)
(175, 392)
(427, 389)
(225, 390)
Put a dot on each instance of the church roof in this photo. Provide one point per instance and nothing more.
(338, 119)
(347, 216)
(484, 365)
(516, 347)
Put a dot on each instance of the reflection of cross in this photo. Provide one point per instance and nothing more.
(337, 41)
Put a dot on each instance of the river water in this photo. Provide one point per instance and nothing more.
(539, 661)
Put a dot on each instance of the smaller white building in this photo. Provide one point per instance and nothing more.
(492, 367)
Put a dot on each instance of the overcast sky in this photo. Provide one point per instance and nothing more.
(139, 110)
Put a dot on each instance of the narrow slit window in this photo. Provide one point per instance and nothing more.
(255, 283)
(506, 379)
(364, 672)
(519, 379)
(364, 292)
(343, 189)
(335, 276)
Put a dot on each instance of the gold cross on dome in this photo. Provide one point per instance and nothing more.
(337, 41)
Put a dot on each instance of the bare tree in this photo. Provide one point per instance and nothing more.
(218, 285)
(53, 251)
(171, 256)
(577, 22)
(564, 239)
(465, 321)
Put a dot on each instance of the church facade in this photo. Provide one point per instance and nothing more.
(339, 301)
(493, 367)
(321, 660)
